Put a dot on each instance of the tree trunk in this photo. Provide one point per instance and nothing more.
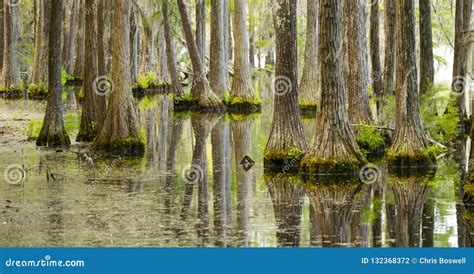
(287, 132)
(389, 55)
(208, 100)
(377, 75)
(334, 148)
(409, 140)
(201, 29)
(218, 70)
(171, 52)
(241, 85)
(2, 31)
(88, 128)
(79, 62)
(101, 100)
(426, 47)
(69, 44)
(460, 81)
(120, 132)
(309, 86)
(357, 84)
(11, 61)
(53, 133)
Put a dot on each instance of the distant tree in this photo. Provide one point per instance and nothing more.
(426, 47)
(53, 133)
(11, 61)
(286, 134)
(171, 51)
(201, 89)
(120, 132)
(334, 148)
(69, 40)
(241, 86)
(410, 140)
(309, 86)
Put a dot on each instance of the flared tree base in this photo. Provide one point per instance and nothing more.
(401, 162)
(191, 103)
(308, 109)
(53, 140)
(314, 166)
(239, 105)
(86, 136)
(125, 147)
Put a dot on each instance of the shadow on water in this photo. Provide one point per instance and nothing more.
(202, 183)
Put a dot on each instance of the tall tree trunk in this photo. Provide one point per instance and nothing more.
(226, 33)
(377, 75)
(334, 148)
(88, 128)
(357, 85)
(389, 55)
(218, 70)
(208, 100)
(201, 29)
(287, 132)
(171, 52)
(69, 43)
(53, 133)
(460, 81)
(426, 47)
(11, 61)
(79, 62)
(2, 30)
(309, 86)
(410, 140)
(241, 85)
(120, 132)
(101, 100)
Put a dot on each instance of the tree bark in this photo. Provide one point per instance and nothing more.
(389, 55)
(409, 140)
(79, 62)
(171, 52)
(201, 89)
(426, 47)
(53, 133)
(11, 61)
(287, 132)
(201, 29)
(218, 70)
(241, 85)
(357, 84)
(334, 148)
(309, 86)
(89, 122)
(120, 132)
(2, 31)
(69, 44)
(377, 75)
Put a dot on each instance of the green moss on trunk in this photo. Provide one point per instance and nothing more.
(54, 140)
(325, 166)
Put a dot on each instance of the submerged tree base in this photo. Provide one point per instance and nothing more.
(126, 147)
(308, 109)
(422, 160)
(243, 105)
(316, 166)
(191, 103)
(283, 162)
(53, 140)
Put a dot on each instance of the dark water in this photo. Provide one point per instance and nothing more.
(192, 190)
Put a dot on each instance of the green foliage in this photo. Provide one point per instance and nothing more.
(148, 102)
(72, 122)
(440, 114)
(369, 138)
(65, 77)
(148, 80)
(33, 130)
